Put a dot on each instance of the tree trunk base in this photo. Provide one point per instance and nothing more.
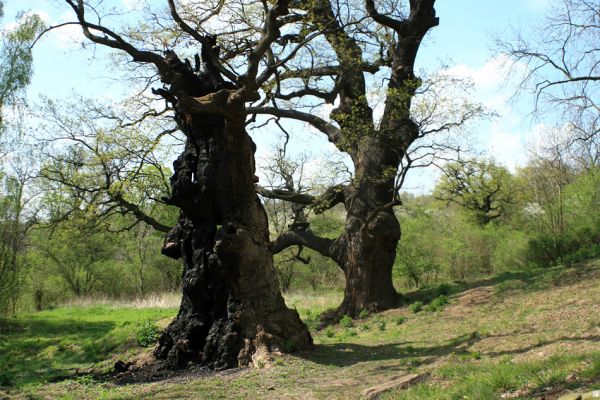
(232, 313)
(225, 345)
(331, 317)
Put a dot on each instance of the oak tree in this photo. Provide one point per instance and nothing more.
(232, 312)
(362, 44)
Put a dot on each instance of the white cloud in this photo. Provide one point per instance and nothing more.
(494, 85)
(68, 36)
(131, 5)
(506, 147)
(487, 77)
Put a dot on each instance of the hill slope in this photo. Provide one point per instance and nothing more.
(516, 335)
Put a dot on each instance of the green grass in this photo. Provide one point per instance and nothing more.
(517, 335)
(45, 346)
(489, 380)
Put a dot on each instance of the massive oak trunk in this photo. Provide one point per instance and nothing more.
(370, 238)
(232, 312)
(372, 231)
(367, 247)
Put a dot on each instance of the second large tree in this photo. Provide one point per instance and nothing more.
(361, 42)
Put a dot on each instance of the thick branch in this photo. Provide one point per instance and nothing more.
(269, 35)
(380, 18)
(327, 128)
(204, 41)
(319, 244)
(329, 199)
(139, 214)
(285, 195)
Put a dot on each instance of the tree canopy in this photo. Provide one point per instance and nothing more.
(16, 58)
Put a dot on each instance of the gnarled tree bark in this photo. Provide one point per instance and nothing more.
(232, 312)
(367, 248)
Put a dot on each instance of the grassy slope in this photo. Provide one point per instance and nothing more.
(517, 335)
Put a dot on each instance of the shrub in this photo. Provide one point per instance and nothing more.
(443, 288)
(400, 320)
(364, 314)
(416, 307)
(437, 304)
(329, 332)
(350, 332)
(5, 379)
(470, 355)
(148, 333)
(346, 322)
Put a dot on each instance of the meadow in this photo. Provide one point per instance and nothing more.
(517, 335)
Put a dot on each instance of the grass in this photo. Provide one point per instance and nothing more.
(160, 300)
(515, 335)
(42, 347)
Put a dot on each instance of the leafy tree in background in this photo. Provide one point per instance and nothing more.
(14, 229)
(15, 75)
(545, 180)
(560, 208)
(97, 159)
(481, 187)
(16, 58)
(581, 203)
(79, 263)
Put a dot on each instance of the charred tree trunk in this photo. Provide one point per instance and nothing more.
(232, 312)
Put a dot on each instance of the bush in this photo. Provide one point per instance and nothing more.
(437, 304)
(364, 314)
(148, 333)
(346, 322)
(5, 379)
(350, 332)
(416, 307)
(400, 320)
(329, 332)
(443, 288)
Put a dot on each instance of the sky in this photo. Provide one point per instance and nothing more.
(463, 41)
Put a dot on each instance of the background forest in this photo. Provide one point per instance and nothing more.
(480, 220)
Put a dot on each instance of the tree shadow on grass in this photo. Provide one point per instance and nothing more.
(46, 348)
(347, 354)
(540, 344)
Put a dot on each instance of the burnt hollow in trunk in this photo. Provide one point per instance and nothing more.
(232, 312)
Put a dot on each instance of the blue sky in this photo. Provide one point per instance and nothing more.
(464, 40)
